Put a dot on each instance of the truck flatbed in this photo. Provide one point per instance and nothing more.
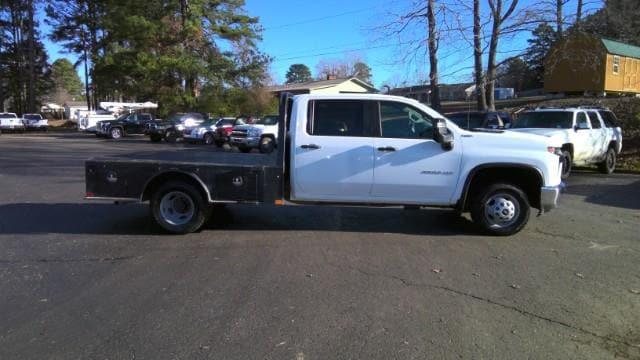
(196, 156)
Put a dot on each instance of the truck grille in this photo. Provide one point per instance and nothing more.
(239, 133)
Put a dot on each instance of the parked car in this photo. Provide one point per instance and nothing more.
(262, 135)
(359, 149)
(205, 132)
(174, 127)
(88, 122)
(481, 119)
(224, 130)
(11, 122)
(35, 122)
(126, 124)
(588, 135)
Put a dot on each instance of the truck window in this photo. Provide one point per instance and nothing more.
(609, 119)
(595, 122)
(398, 120)
(338, 118)
(582, 121)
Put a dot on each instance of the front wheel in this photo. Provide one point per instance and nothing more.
(208, 139)
(115, 133)
(267, 145)
(179, 208)
(171, 136)
(609, 163)
(500, 209)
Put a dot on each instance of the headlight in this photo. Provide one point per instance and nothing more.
(180, 127)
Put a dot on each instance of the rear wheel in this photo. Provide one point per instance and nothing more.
(609, 164)
(115, 133)
(567, 162)
(500, 209)
(208, 139)
(179, 208)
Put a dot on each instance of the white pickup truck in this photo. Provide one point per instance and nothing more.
(347, 149)
(588, 135)
(262, 135)
(10, 121)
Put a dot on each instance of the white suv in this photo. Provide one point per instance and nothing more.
(10, 121)
(589, 134)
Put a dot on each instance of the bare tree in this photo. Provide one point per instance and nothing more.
(579, 12)
(499, 18)
(433, 56)
(559, 17)
(477, 57)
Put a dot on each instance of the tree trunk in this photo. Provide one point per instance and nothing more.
(86, 71)
(559, 18)
(477, 55)
(579, 13)
(31, 89)
(433, 57)
(493, 50)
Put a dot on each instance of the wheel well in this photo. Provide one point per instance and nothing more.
(528, 179)
(160, 179)
(568, 147)
(613, 144)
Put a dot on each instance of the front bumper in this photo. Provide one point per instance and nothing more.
(247, 142)
(549, 196)
(12, 127)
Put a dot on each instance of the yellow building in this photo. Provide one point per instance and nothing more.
(331, 86)
(590, 65)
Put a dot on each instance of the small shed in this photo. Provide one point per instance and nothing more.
(590, 65)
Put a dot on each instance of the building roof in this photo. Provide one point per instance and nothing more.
(320, 84)
(619, 48)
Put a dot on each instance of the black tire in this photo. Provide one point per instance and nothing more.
(116, 133)
(496, 221)
(208, 139)
(192, 212)
(567, 164)
(608, 165)
(155, 138)
(267, 145)
(171, 136)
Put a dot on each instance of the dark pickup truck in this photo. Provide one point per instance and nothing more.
(126, 124)
(174, 127)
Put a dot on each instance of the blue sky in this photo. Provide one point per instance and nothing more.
(304, 31)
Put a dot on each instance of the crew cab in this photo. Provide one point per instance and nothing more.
(347, 149)
(88, 122)
(174, 127)
(126, 124)
(262, 135)
(35, 122)
(589, 135)
(10, 121)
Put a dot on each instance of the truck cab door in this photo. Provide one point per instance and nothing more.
(333, 153)
(410, 166)
(598, 137)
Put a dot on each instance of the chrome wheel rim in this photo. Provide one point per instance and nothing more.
(177, 208)
(115, 133)
(501, 210)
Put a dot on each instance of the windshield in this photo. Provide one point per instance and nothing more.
(545, 120)
(175, 117)
(7, 116)
(467, 121)
(122, 117)
(32, 117)
(268, 120)
(207, 123)
(225, 122)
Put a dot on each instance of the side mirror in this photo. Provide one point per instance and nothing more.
(442, 135)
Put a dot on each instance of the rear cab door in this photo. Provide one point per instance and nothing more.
(333, 150)
(598, 136)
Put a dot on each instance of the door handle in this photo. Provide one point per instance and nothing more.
(387, 149)
(311, 146)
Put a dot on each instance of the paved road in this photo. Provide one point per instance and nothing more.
(97, 281)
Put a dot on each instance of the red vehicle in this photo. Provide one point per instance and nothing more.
(224, 129)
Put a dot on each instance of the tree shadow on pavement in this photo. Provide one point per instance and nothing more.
(623, 196)
(133, 219)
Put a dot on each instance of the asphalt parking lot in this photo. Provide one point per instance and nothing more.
(98, 281)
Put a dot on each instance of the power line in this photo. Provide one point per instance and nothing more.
(283, 26)
(339, 52)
